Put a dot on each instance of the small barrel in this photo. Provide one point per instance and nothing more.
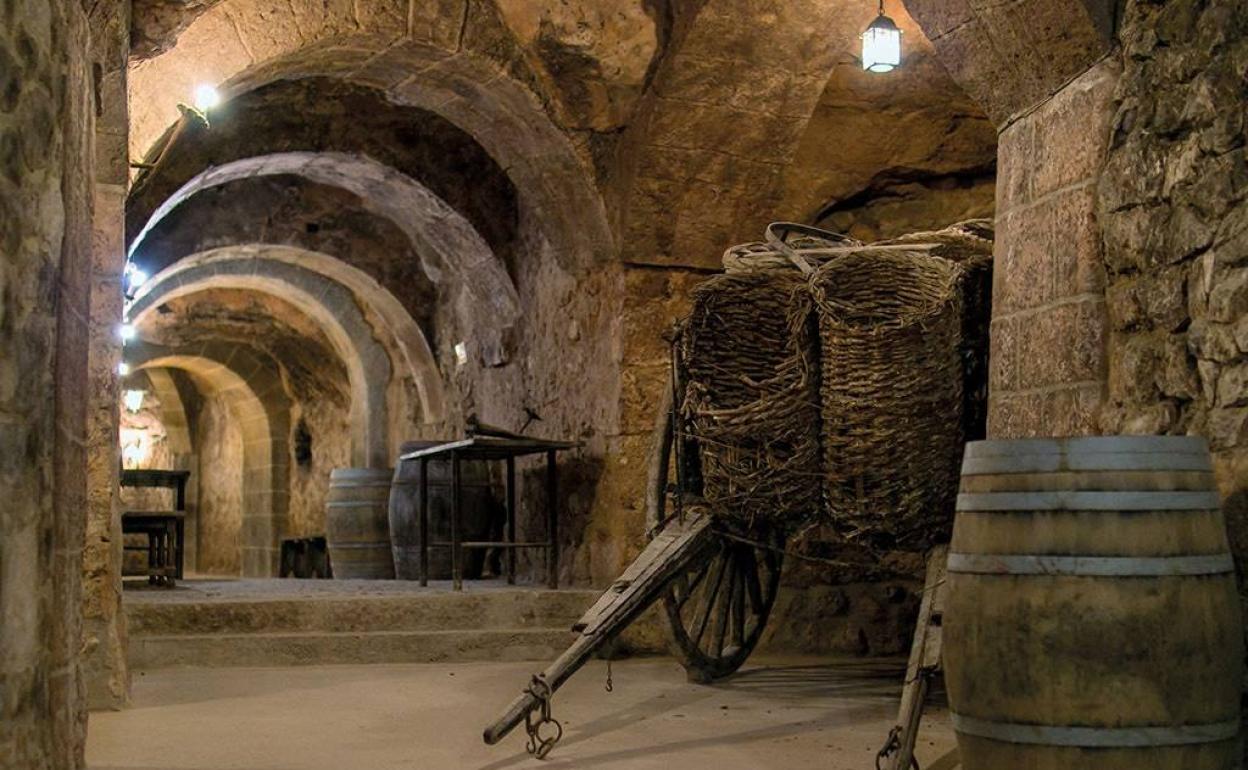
(1092, 618)
(357, 526)
(482, 514)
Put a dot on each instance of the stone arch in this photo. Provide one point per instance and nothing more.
(328, 304)
(452, 251)
(347, 302)
(422, 65)
(251, 384)
(172, 411)
(1011, 57)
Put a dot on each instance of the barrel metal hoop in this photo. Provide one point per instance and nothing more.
(1064, 500)
(1090, 566)
(1052, 463)
(1097, 737)
(360, 546)
(1089, 446)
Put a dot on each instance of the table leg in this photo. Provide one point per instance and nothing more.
(457, 575)
(424, 521)
(511, 520)
(153, 562)
(552, 519)
(179, 546)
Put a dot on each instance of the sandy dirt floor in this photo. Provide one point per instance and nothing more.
(773, 714)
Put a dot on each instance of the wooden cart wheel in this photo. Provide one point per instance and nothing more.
(716, 610)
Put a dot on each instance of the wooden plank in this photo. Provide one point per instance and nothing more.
(924, 658)
(670, 544)
(667, 556)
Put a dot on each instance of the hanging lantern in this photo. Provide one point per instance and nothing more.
(881, 44)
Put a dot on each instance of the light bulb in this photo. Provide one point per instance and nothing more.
(123, 368)
(135, 277)
(126, 332)
(206, 97)
(133, 399)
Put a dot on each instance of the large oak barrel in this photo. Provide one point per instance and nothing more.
(358, 531)
(481, 520)
(1092, 617)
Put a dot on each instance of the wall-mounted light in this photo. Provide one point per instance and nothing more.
(881, 44)
(123, 368)
(126, 332)
(461, 353)
(133, 399)
(135, 277)
(207, 97)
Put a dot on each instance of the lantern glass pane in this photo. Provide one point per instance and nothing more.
(881, 49)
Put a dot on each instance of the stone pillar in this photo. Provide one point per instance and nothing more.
(1045, 73)
(1048, 304)
(104, 663)
(45, 219)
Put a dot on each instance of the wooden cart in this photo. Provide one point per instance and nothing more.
(717, 586)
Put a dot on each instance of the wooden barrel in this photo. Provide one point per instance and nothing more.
(1092, 617)
(482, 514)
(358, 530)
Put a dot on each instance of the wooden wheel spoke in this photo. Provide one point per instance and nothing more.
(709, 607)
(692, 585)
(680, 589)
(752, 585)
(738, 606)
(724, 614)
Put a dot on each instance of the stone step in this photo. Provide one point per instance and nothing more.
(295, 649)
(442, 611)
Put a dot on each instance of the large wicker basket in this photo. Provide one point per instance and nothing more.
(890, 325)
(969, 244)
(746, 356)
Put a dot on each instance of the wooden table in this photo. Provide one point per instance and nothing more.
(507, 447)
(165, 530)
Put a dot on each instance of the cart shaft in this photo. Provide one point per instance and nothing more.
(668, 555)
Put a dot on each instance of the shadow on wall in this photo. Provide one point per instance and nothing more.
(578, 481)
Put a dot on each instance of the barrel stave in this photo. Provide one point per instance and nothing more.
(357, 524)
(1092, 602)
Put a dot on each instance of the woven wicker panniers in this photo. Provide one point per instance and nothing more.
(843, 392)
(747, 355)
(890, 323)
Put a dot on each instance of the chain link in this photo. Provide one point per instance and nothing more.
(539, 745)
(891, 745)
(610, 684)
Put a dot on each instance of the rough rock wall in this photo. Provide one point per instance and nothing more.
(45, 221)
(317, 445)
(1174, 206)
(220, 502)
(890, 153)
(549, 375)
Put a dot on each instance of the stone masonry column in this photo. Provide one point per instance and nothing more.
(1045, 72)
(104, 633)
(1047, 366)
